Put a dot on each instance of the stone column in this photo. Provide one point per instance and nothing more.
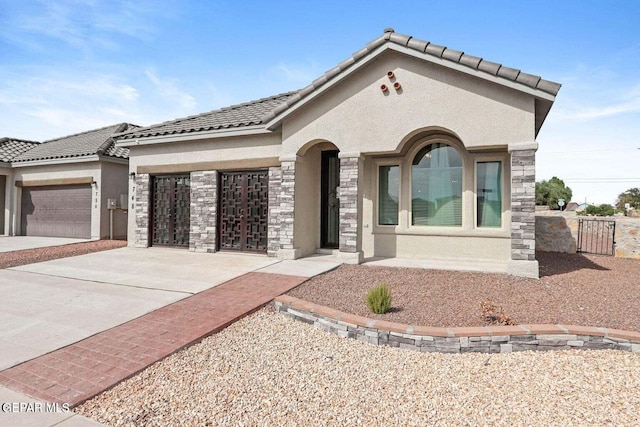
(273, 232)
(523, 218)
(203, 211)
(287, 205)
(143, 198)
(350, 208)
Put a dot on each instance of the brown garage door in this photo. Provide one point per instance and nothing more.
(57, 211)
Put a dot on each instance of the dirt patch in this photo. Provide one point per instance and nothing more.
(30, 256)
(574, 289)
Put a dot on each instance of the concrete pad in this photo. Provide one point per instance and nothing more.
(38, 414)
(40, 313)
(155, 268)
(306, 267)
(18, 243)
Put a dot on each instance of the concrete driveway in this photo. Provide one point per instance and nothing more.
(49, 305)
(18, 243)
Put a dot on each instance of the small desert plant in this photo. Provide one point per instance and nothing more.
(494, 315)
(379, 299)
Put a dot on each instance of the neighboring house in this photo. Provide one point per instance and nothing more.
(405, 149)
(61, 187)
(9, 149)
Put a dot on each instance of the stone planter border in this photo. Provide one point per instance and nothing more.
(482, 339)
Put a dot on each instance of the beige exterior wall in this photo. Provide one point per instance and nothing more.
(5, 202)
(115, 182)
(357, 116)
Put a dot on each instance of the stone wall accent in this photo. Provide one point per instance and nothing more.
(558, 232)
(142, 200)
(273, 232)
(203, 211)
(349, 212)
(487, 339)
(287, 203)
(523, 202)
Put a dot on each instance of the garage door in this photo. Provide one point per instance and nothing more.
(56, 211)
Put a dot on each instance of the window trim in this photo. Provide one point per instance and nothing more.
(408, 160)
(506, 193)
(376, 214)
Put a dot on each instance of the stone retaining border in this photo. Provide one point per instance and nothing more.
(481, 339)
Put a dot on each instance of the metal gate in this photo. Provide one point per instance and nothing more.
(243, 211)
(171, 207)
(596, 236)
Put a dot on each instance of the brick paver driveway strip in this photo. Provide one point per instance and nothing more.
(80, 371)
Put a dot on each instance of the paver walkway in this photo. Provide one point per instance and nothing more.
(80, 371)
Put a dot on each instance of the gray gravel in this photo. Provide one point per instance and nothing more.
(268, 370)
(587, 290)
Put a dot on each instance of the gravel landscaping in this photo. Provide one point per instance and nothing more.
(574, 289)
(268, 370)
(30, 256)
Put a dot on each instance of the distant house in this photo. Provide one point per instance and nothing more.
(405, 149)
(61, 187)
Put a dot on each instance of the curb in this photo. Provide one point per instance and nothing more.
(482, 339)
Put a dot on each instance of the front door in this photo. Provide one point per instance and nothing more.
(243, 214)
(171, 199)
(329, 202)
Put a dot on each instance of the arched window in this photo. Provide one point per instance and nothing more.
(436, 186)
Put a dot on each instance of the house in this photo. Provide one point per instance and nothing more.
(405, 149)
(61, 187)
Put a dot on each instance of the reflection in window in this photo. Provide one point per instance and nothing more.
(388, 194)
(489, 194)
(436, 186)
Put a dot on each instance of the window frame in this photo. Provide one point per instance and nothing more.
(378, 164)
(504, 196)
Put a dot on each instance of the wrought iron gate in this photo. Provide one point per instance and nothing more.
(243, 211)
(596, 236)
(171, 207)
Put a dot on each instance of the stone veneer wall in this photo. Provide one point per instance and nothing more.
(273, 232)
(143, 184)
(489, 339)
(349, 169)
(203, 211)
(523, 201)
(558, 232)
(287, 199)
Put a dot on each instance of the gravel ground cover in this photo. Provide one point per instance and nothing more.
(574, 289)
(30, 256)
(268, 370)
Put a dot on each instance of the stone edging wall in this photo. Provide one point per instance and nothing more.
(482, 339)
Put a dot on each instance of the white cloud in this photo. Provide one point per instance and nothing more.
(169, 90)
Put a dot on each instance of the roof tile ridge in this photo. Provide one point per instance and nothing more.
(80, 133)
(28, 141)
(110, 139)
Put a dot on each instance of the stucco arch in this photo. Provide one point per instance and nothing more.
(322, 144)
(418, 135)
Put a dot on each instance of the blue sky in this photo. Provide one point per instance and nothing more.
(68, 66)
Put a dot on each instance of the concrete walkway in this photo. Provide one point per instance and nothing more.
(86, 367)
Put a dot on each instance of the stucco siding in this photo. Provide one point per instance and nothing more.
(115, 180)
(357, 116)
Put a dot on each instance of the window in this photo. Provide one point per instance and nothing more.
(388, 194)
(489, 194)
(436, 186)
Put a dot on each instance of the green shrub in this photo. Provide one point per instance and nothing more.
(379, 299)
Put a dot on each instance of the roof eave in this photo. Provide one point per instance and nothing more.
(56, 161)
(309, 93)
(193, 136)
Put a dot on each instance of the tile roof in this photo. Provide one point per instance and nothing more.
(235, 116)
(264, 110)
(10, 148)
(93, 142)
(427, 48)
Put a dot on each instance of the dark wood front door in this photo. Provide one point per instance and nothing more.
(243, 211)
(171, 199)
(329, 202)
